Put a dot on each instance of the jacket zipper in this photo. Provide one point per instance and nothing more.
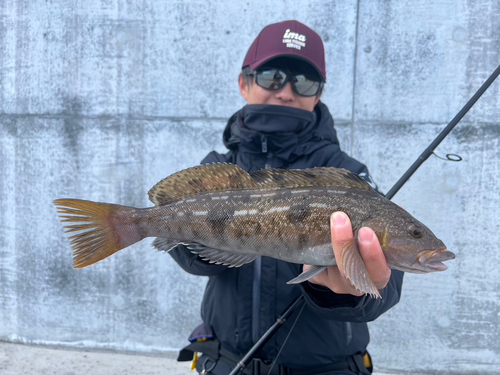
(256, 299)
(348, 331)
(257, 271)
(269, 155)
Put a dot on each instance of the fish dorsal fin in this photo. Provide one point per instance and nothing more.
(309, 177)
(203, 178)
(223, 176)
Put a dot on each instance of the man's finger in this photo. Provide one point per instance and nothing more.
(373, 257)
(369, 247)
(341, 233)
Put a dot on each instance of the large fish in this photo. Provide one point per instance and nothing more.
(230, 217)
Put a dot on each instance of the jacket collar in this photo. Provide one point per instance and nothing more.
(285, 132)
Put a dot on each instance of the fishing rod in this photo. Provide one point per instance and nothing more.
(269, 333)
(430, 150)
(406, 176)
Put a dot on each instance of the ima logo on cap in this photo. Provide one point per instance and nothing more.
(294, 40)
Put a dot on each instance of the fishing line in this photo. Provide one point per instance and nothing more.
(449, 157)
(286, 339)
(474, 125)
(456, 157)
(280, 321)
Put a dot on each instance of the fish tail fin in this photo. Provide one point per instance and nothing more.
(101, 229)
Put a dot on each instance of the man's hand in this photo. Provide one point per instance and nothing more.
(371, 252)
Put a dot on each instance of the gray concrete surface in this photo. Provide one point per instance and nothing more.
(18, 359)
(101, 99)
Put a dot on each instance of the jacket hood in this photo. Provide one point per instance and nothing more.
(284, 131)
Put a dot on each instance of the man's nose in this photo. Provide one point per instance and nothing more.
(286, 93)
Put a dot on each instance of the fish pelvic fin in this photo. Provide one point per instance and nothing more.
(100, 229)
(308, 274)
(355, 269)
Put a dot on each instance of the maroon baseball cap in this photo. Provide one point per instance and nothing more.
(288, 38)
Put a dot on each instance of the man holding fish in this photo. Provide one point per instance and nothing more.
(286, 126)
(285, 213)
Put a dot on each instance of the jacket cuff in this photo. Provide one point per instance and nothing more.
(324, 298)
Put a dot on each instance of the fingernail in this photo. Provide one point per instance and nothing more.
(365, 235)
(339, 219)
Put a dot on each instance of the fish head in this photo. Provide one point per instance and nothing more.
(410, 246)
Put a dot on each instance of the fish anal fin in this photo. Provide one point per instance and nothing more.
(321, 176)
(164, 244)
(308, 274)
(203, 178)
(226, 258)
(355, 269)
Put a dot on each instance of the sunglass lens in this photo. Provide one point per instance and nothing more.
(271, 79)
(305, 86)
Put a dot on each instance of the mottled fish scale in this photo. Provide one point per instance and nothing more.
(282, 223)
(230, 217)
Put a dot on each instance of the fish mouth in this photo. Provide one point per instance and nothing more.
(433, 259)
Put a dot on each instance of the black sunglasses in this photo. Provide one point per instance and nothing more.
(276, 79)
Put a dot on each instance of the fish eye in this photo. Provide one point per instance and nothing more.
(415, 232)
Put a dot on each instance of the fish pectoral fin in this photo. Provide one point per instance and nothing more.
(307, 274)
(164, 244)
(217, 256)
(355, 269)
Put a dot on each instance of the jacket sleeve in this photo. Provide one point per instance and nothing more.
(188, 261)
(349, 308)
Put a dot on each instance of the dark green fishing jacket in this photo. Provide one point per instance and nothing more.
(240, 304)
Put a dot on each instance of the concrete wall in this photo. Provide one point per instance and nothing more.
(100, 99)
